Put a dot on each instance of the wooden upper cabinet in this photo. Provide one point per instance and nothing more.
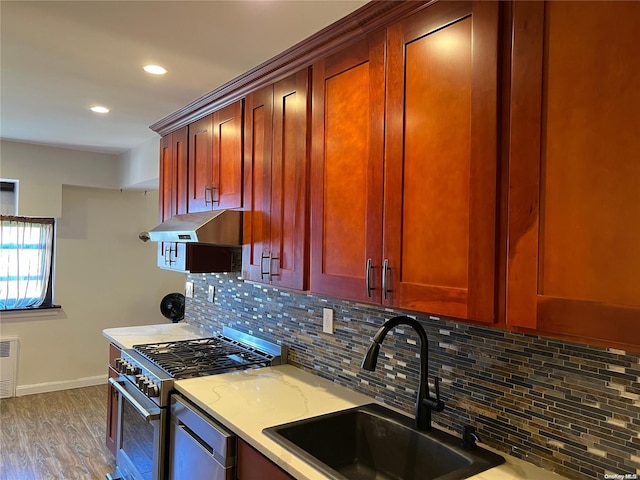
(276, 168)
(430, 146)
(200, 190)
(173, 190)
(441, 161)
(227, 156)
(215, 160)
(346, 171)
(257, 189)
(574, 170)
(173, 174)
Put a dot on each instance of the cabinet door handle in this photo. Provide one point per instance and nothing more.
(385, 273)
(213, 200)
(269, 272)
(168, 250)
(264, 257)
(367, 276)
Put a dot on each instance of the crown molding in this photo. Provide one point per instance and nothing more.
(370, 17)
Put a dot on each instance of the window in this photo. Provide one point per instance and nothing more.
(8, 196)
(26, 254)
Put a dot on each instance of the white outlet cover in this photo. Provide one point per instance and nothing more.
(327, 320)
(188, 289)
(211, 293)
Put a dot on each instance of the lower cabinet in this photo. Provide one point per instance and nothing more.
(112, 402)
(252, 465)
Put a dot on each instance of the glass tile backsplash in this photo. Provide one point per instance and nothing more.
(565, 407)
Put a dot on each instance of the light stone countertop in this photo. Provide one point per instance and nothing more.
(248, 401)
(127, 337)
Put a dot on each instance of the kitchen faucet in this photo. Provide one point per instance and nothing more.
(424, 403)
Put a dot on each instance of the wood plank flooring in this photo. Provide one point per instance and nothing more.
(57, 435)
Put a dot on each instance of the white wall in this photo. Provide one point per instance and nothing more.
(43, 170)
(104, 275)
(140, 166)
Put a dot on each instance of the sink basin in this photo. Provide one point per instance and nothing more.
(373, 442)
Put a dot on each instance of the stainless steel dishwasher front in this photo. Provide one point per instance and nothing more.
(198, 446)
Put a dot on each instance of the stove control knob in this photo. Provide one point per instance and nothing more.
(123, 366)
(152, 390)
(118, 364)
(140, 379)
(130, 369)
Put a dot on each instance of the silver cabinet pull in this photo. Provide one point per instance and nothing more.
(385, 273)
(271, 259)
(269, 272)
(213, 200)
(264, 257)
(169, 250)
(367, 275)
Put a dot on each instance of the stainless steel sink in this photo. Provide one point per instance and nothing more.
(374, 442)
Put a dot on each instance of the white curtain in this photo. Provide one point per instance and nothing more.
(25, 261)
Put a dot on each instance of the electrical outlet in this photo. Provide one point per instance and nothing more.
(212, 293)
(188, 289)
(327, 320)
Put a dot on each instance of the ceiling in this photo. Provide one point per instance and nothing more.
(58, 58)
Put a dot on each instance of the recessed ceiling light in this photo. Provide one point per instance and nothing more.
(99, 109)
(155, 69)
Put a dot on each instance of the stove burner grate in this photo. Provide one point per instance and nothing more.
(203, 356)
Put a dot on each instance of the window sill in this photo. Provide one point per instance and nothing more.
(31, 312)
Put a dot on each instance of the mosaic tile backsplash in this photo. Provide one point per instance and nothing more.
(565, 407)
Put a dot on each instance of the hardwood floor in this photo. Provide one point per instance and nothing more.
(57, 435)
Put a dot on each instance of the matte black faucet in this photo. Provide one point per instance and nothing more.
(424, 403)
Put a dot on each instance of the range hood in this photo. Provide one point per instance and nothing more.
(216, 227)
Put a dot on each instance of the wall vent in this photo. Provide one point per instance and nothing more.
(8, 364)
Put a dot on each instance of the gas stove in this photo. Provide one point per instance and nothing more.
(154, 367)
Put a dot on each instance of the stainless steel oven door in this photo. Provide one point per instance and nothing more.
(140, 445)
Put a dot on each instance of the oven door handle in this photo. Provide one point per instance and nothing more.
(148, 416)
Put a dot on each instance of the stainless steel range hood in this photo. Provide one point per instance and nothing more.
(217, 227)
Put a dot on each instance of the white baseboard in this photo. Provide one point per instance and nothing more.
(22, 390)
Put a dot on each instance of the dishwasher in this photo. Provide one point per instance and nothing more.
(198, 446)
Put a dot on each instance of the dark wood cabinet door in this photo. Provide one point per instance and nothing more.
(346, 171)
(289, 178)
(441, 161)
(227, 157)
(573, 263)
(173, 186)
(252, 465)
(276, 176)
(200, 189)
(257, 189)
(173, 174)
(112, 402)
(215, 160)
